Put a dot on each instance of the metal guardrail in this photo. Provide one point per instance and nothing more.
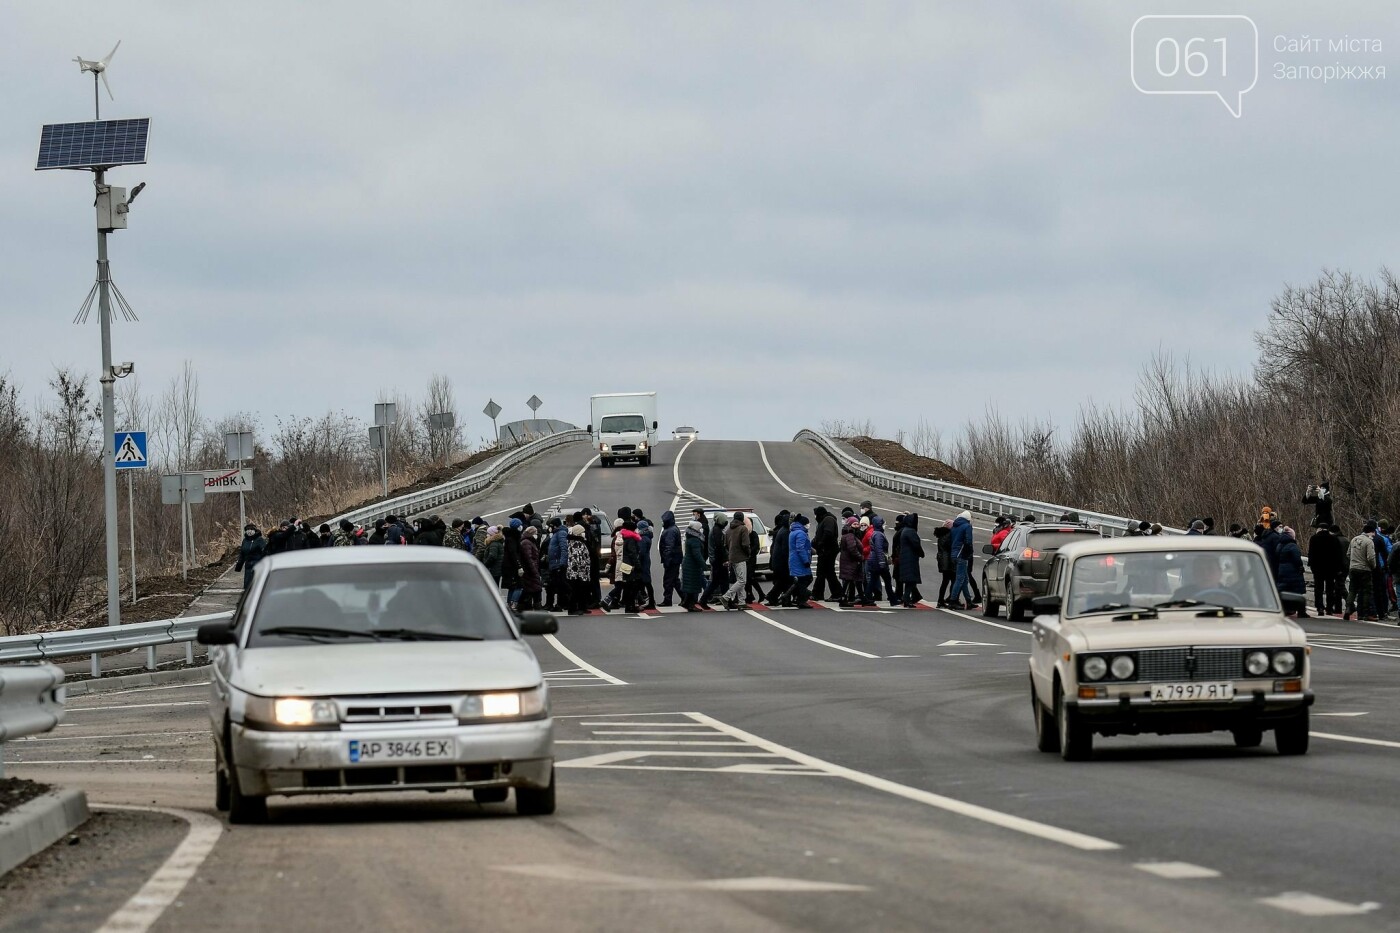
(963, 497)
(151, 635)
(31, 702)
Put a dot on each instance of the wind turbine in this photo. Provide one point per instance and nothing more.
(99, 70)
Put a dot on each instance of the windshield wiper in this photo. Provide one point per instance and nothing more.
(317, 631)
(418, 634)
(1218, 610)
(1115, 607)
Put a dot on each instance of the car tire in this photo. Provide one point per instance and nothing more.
(1291, 737)
(491, 794)
(1248, 737)
(535, 801)
(243, 809)
(1047, 737)
(1076, 740)
(644, 461)
(221, 786)
(1015, 610)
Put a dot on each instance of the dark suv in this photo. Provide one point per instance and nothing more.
(1020, 571)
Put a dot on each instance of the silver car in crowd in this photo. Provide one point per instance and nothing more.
(350, 670)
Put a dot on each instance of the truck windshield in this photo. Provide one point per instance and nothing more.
(616, 424)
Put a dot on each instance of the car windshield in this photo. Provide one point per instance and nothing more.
(616, 424)
(355, 602)
(1188, 579)
(754, 521)
(684, 429)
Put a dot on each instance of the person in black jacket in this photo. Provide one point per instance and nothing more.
(1290, 566)
(719, 561)
(250, 551)
(947, 567)
(279, 540)
(1320, 498)
(778, 559)
(826, 544)
(1325, 559)
(671, 552)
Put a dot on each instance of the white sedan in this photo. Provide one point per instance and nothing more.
(684, 433)
(1179, 634)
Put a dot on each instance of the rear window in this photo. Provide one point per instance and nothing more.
(1051, 540)
(445, 599)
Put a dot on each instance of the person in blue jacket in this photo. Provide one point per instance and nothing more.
(671, 553)
(644, 565)
(960, 548)
(800, 561)
(557, 558)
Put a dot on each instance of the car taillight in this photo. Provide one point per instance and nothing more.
(1030, 554)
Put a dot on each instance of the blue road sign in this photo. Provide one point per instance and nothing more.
(129, 448)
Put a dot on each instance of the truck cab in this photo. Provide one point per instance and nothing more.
(624, 427)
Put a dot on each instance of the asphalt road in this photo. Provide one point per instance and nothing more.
(783, 770)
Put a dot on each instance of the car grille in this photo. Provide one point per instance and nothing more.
(398, 711)
(1178, 664)
(406, 775)
(624, 448)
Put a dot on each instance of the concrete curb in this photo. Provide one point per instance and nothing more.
(188, 675)
(32, 827)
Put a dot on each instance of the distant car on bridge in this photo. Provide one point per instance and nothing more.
(684, 433)
(352, 670)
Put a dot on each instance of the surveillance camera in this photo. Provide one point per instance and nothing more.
(123, 369)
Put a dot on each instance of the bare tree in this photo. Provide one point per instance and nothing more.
(440, 399)
(181, 422)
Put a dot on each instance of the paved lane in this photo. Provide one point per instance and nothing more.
(799, 770)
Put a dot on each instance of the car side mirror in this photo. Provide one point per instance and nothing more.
(1294, 602)
(1046, 605)
(653, 425)
(538, 623)
(988, 549)
(216, 633)
(590, 429)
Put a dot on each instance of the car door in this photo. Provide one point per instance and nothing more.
(1000, 564)
(1045, 637)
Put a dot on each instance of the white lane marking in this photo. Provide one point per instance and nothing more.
(792, 631)
(161, 889)
(648, 732)
(637, 742)
(676, 474)
(112, 761)
(1377, 651)
(586, 715)
(607, 759)
(769, 467)
(955, 654)
(954, 643)
(579, 475)
(973, 811)
(1311, 905)
(668, 724)
(1177, 871)
(131, 690)
(981, 621)
(105, 709)
(602, 675)
(133, 735)
(604, 879)
(567, 670)
(1354, 738)
(1341, 714)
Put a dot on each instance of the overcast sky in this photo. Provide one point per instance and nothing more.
(770, 213)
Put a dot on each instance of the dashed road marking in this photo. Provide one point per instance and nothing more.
(1177, 871)
(584, 665)
(812, 638)
(1355, 738)
(1311, 905)
(605, 879)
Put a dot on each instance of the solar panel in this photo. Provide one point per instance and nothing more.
(95, 144)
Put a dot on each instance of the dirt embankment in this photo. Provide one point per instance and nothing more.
(894, 456)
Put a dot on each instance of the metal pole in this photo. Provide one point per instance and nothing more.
(131, 530)
(189, 517)
(242, 515)
(184, 547)
(384, 461)
(109, 428)
(497, 432)
(96, 98)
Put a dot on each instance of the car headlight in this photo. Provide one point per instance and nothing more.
(506, 704)
(291, 713)
(1285, 662)
(604, 448)
(1095, 667)
(1257, 663)
(641, 445)
(1123, 666)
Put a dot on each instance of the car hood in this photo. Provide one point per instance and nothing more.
(1173, 628)
(386, 667)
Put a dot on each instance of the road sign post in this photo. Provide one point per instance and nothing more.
(385, 415)
(491, 411)
(443, 424)
(238, 446)
(129, 453)
(184, 490)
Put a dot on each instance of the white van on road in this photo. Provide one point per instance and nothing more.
(624, 426)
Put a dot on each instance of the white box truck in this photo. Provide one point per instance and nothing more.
(624, 426)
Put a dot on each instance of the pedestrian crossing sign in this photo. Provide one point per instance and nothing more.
(129, 450)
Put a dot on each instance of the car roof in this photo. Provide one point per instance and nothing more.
(1058, 526)
(1156, 543)
(369, 554)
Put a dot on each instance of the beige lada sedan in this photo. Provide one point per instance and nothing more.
(366, 669)
(1166, 635)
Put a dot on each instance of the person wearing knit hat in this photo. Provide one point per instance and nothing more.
(577, 571)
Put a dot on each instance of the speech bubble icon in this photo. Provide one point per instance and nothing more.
(1213, 54)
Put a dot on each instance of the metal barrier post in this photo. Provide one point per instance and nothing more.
(96, 666)
(151, 658)
(189, 652)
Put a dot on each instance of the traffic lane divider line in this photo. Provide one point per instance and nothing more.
(763, 452)
(997, 818)
(812, 638)
(108, 709)
(115, 761)
(161, 890)
(558, 646)
(981, 621)
(1354, 738)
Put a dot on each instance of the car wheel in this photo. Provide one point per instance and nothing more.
(1248, 737)
(242, 808)
(491, 794)
(221, 788)
(645, 461)
(535, 801)
(1076, 741)
(990, 607)
(1015, 610)
(1292, 737)
(1047, 738)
